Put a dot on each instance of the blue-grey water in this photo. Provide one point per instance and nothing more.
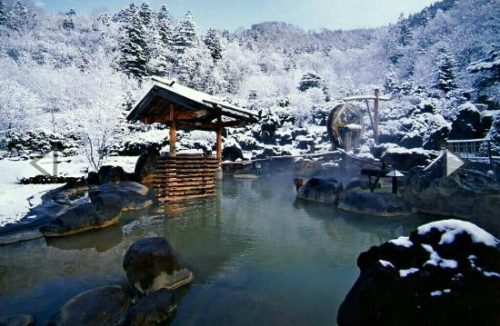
(259, 257)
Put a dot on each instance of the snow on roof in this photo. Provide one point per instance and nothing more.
(197, 96)
(190, 93)
(452, 228)
(189, 99)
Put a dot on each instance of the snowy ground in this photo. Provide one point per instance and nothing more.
(16, 200)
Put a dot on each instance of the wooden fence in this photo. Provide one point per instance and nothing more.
(185, 177)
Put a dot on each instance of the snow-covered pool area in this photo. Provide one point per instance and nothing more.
(16, 200)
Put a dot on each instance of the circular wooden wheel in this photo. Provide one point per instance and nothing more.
(341, 119)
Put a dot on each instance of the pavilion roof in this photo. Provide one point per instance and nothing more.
(191, 109)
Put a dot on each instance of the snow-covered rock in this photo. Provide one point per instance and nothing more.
(445, 272)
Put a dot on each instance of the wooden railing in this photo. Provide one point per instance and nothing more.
(471, 149)
(185, 177)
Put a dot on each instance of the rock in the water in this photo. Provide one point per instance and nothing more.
(325, 190)
(154, 309)
(152, 264)
(232, 153)
(379, 204)
(106, 305)
(146, 166)
(404, 159)
(19, 320)
(82, 218)
(129, 195)
(430, 191)
(445, 273)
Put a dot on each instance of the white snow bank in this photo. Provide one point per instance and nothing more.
(451, 228)
(402, 241)
(16, 200)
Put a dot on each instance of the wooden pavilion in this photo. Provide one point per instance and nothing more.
(180, 177)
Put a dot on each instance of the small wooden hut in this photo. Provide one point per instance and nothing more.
(180, 177)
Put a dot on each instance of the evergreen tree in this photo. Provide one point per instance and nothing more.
(488, 68)
(20, 18)
(125, 15)
(185, 35)
(165, 26)
(446, 72)
(163, 56)
(149, 36)
(133, 60)
(68, 23)
(146, 15)
(212, 41)
(3, 14)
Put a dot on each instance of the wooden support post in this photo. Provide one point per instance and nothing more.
(219, 141)
(376, 115)
(173, 130)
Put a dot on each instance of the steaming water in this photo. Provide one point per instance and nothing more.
(259, 256)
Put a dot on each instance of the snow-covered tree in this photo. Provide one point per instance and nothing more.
(134, 49)
(68, 22)
(446, 72)
(186, 34)
(213, 43)
(165, 26)
(3, 14)
(20, 18)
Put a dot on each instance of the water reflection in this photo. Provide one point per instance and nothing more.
(258, 256)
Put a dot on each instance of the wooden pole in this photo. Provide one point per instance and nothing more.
(376, 115)
(173, 130)
(219, 140)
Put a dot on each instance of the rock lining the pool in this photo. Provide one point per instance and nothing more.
(107, 202)
(445, 273)
(152, 264)
(154, 269)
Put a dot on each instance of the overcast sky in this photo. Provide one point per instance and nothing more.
(232, 14)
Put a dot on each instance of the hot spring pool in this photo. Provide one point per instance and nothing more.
(258, 255)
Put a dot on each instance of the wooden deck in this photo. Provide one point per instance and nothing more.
(185, 177)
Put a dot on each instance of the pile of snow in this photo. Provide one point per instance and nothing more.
(452, 228)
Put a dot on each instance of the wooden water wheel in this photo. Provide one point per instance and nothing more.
(345, 126)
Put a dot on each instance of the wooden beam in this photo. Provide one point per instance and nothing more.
(173, 130)
(370, 115)
(376, 115)
(219, 140)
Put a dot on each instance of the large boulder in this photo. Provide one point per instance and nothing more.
(378, 204)
(129, 195)
(106, 305)
(466, 122)
(18, 320)
(444, 273)
(321, 189)
(83, 218)
(458, 194)
(404, 159)
(232, 153)
(146, 165)
(152, 264)
(154, 309)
